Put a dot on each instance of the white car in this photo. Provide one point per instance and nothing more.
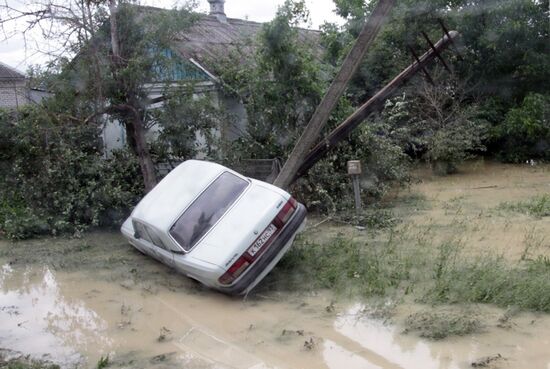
(216, 226)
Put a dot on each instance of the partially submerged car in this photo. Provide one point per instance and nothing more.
(216, 226)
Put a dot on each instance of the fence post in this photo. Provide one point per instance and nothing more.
(354, 170)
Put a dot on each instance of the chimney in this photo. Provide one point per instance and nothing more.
(217, 10)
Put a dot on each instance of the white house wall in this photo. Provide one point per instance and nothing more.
(114, 133)
(13, 94)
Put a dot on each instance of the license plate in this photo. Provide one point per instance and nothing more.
(257, 246)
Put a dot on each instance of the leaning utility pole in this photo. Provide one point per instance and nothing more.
(335, 91)
(376, 102)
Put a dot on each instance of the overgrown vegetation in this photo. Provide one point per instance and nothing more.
(405, 264)
(21, 362)
(538, 206)
(440, 324)
(55, 179)
(493, 102)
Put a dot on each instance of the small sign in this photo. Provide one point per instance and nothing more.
(354, 167)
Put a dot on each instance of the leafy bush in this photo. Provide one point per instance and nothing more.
(55, 178)
(525, 132)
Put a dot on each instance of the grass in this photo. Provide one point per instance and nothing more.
(437, 325)
(23, 362)
(103, 362)
(18, 364)
(538, 206)
(409, 263)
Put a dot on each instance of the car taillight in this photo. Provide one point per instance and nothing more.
(285, 213)
(260, 244)
(235, 270)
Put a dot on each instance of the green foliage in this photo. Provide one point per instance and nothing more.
(280, 86)
(538, 206)
(494, 281)
(504, 47)
(103, 362)
(404, 263)
(439, 123)
(183, 119)
(345, 266)
(525, 132)
(438, 325)
(55, 179)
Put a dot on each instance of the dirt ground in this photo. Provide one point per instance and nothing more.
(78, 301)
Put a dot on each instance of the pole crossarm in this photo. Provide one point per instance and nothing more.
(335, 91)
(374, 103)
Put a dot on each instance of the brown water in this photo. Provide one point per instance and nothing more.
(75, 318)
(470, 200)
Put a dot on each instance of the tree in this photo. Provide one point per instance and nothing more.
(118, 49)
(280, 86)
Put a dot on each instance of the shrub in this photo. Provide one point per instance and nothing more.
(525, 132)
(56, 180)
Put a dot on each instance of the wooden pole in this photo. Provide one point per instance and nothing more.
(345, 128)
(335, 91)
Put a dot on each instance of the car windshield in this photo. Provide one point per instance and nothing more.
(207, 209)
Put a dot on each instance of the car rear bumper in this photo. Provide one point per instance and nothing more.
(270, 257)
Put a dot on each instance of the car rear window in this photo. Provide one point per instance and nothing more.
(207, 209)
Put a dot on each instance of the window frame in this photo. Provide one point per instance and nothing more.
(148, 230)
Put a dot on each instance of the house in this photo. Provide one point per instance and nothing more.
(14, 89)
(210, 39)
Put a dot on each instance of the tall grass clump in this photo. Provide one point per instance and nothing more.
(344, 266)
(493, 280)
(430, 272)
(538, 206)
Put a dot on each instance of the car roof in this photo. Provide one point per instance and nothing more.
(166, 202)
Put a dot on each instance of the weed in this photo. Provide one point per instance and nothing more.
(495, 281)
(538, 206)
(533, 240)
(342, 265)
(438, 325)
(103, 362)
(405, 263)
(18, 364)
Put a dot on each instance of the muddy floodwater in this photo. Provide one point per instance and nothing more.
(74, 319)
(76, 301)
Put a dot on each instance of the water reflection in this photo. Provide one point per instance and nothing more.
(74, 320)
(37, 319)
(398, 350)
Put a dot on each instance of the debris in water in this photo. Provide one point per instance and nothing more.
(164, 334)
(331, 307)
(286, 332)
(309, 344)
(484, 362)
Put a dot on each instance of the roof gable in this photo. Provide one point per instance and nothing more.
(9, 73)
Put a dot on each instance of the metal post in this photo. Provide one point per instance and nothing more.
(354, 170)
(357, 193)
(374, 103)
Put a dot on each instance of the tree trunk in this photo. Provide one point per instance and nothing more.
(135, 129)
(143, 154)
